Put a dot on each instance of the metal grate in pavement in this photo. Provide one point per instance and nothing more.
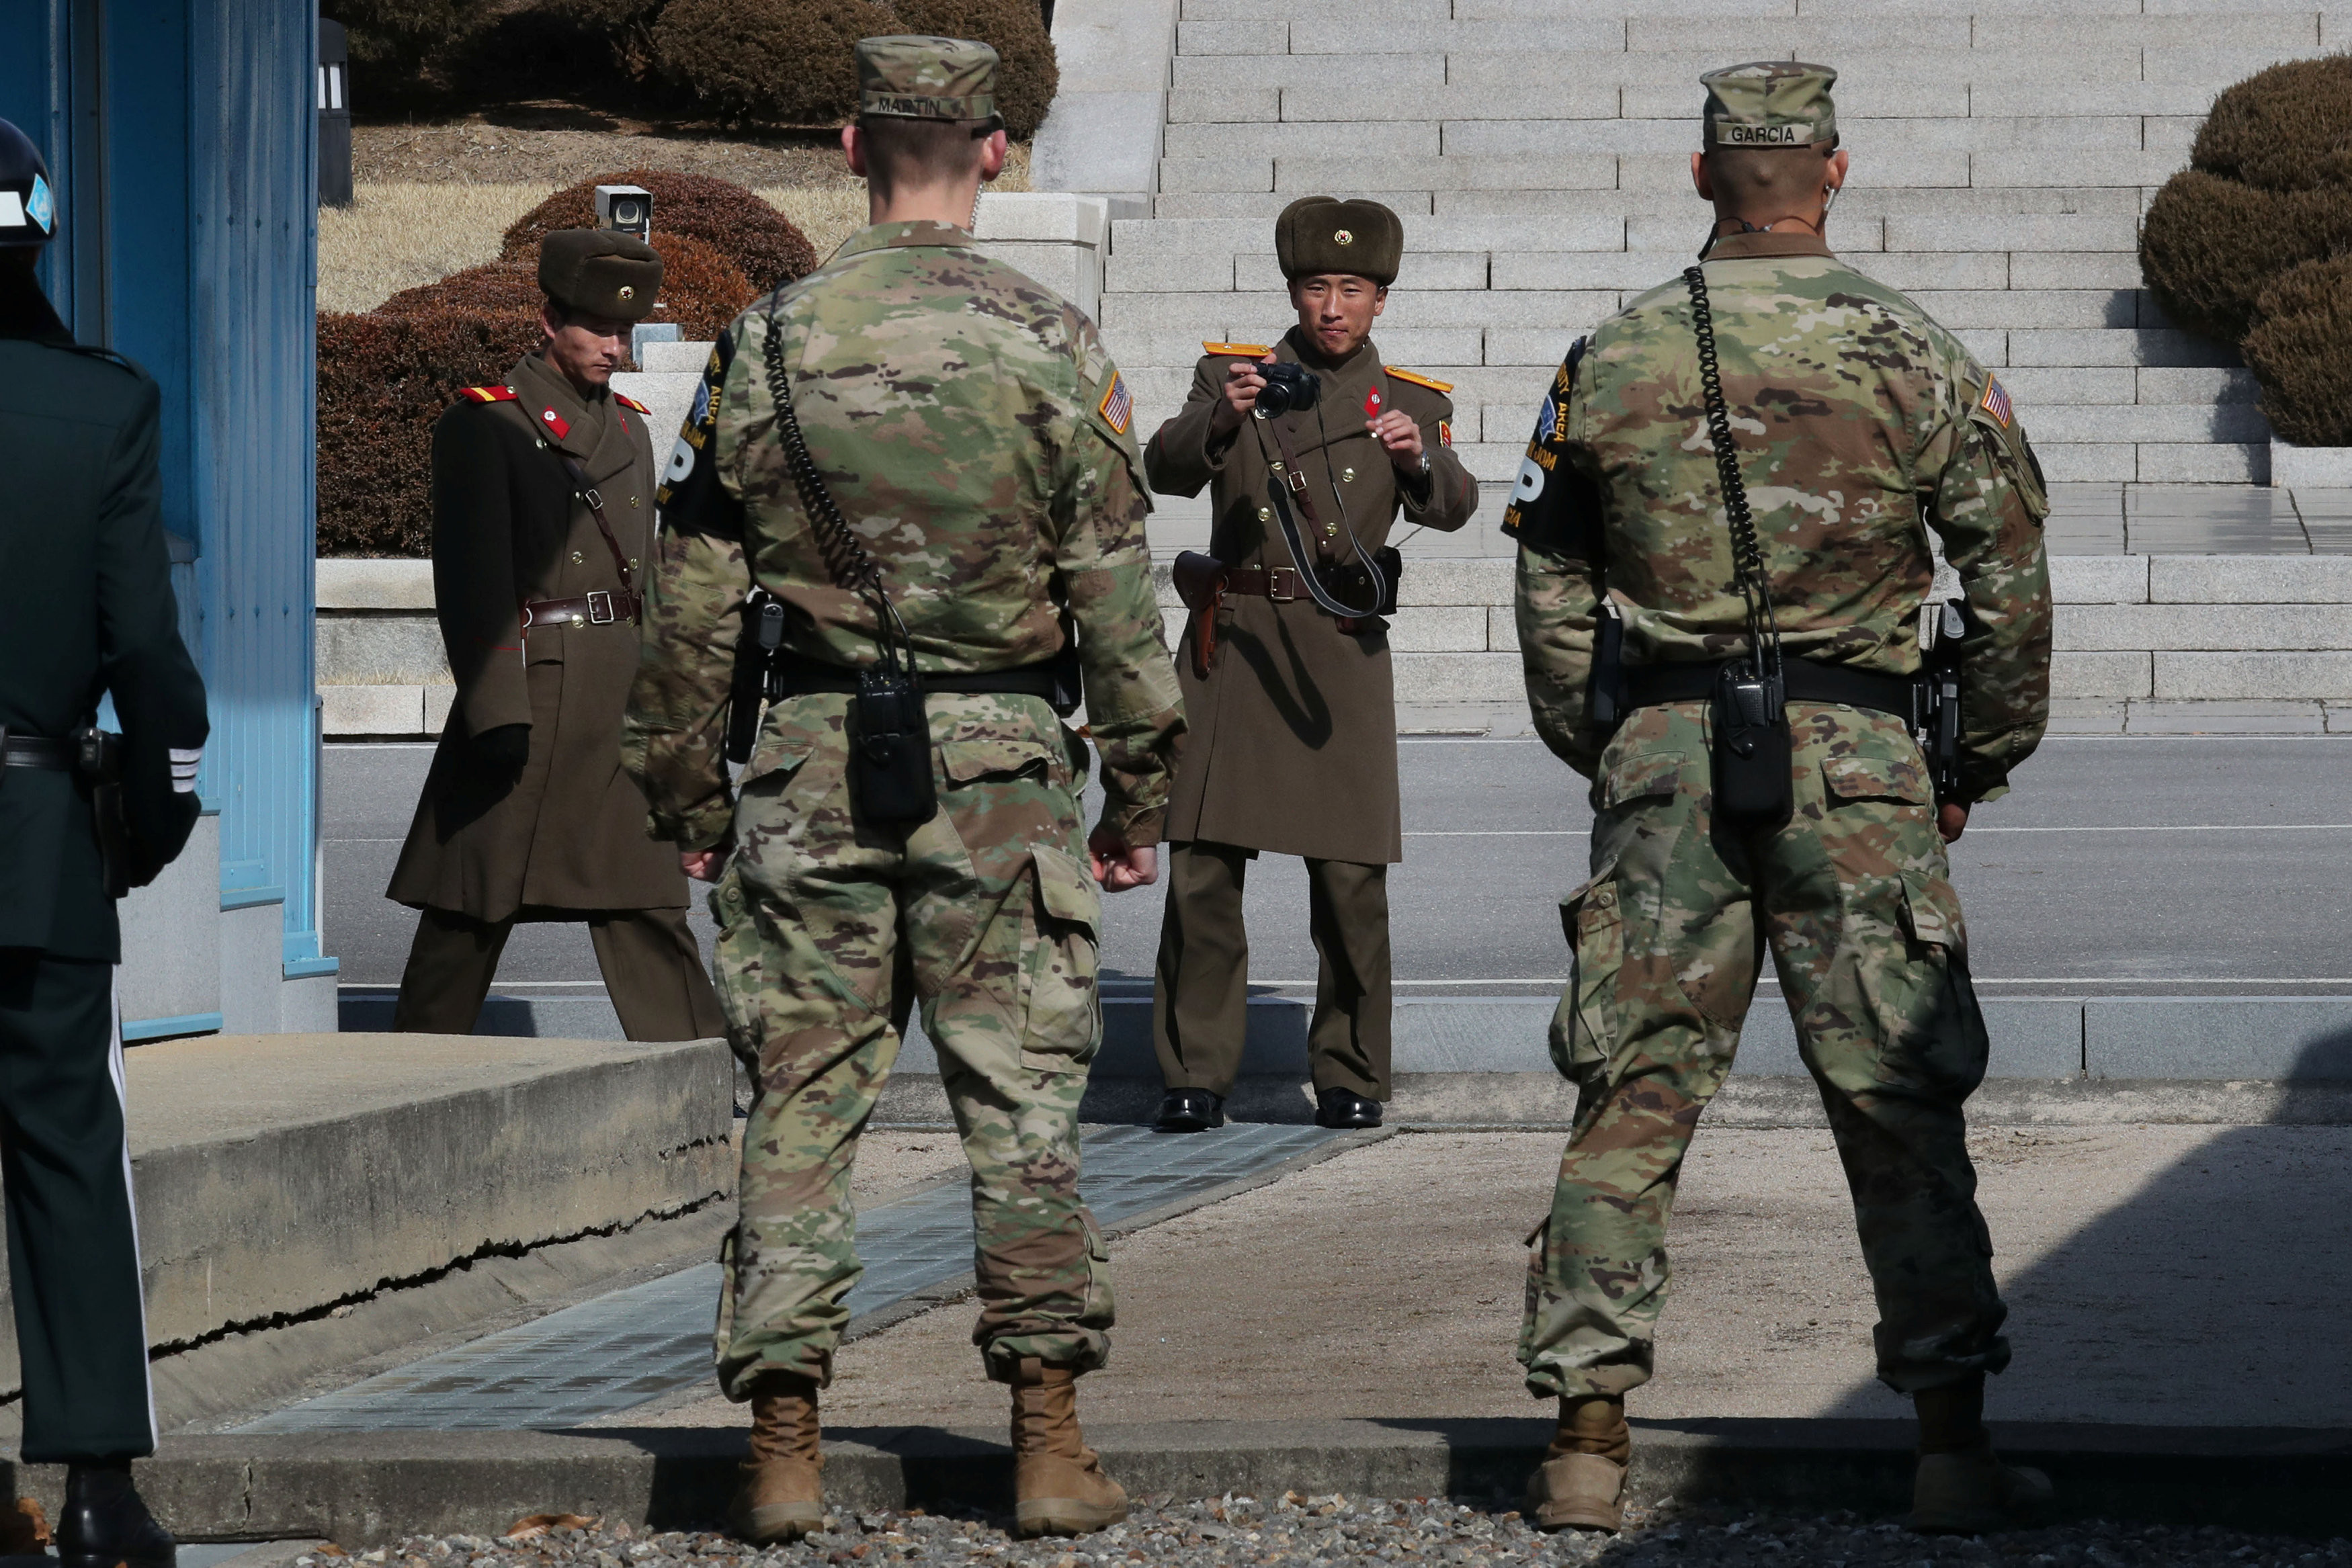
(631, 1345)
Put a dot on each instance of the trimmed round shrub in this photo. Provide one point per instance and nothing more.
(2211, 246)
(778, 62)
(755, 235)
(403, 52)
(2297, 350)
(385, 376)
(1028, 73)
(382, 380)
(701, 290)
(2285, 129)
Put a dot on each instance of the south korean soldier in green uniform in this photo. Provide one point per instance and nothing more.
(1858, 427)
(977, 442)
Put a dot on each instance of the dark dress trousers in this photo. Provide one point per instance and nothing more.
(1291, 741)
(86, 577)
(563, 839)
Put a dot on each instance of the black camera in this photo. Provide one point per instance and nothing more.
(1289, 389)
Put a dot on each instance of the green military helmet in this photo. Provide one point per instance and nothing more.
(1771, 104)
(910, 77)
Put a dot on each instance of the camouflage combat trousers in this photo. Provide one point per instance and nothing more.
(988, 911)
(1854, 898)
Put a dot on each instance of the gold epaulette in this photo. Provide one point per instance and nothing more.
(1237, 350)
(1418, 380)
(488, 395)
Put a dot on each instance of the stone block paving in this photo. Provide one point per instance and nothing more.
(636, 1344)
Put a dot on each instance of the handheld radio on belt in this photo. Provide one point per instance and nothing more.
(889, 731)
(1752, 746)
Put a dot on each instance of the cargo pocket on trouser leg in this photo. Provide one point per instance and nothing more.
(1584, 1033)
(1101, 1308)
(1936, 1046)
(1062, 1022)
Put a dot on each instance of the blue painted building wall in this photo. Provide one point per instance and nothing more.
(184, 134)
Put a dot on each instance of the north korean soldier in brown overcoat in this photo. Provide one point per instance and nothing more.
(542, 520)
(1291, 705)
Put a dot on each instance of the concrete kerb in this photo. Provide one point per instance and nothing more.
(361, 1489)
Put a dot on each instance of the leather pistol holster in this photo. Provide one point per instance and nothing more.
(1201, 582)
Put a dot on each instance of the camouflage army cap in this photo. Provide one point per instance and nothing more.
(1771, 104)
(914, 78)
(1323, 233)
(600, 273)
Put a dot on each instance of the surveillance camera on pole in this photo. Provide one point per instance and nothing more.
(627, 209)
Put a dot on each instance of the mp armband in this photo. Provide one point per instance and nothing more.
(1553, 507)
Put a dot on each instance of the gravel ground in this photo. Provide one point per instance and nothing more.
(1237, 1530)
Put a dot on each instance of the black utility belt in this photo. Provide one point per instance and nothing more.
(803, 677)
(1648, 686)
(93, 753)
(38, 752)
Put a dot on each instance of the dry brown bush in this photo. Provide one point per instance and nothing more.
(2211, 246)
(1029, 73)
(386, 376)
(755, 235)
(382, 380)
(2285, 129)
(701, 289)
(2300, 349)
(778, 62)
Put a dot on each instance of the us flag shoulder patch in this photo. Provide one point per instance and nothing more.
(1996, 402)
(1118, 404)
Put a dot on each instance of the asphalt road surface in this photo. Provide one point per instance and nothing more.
(2120, 866)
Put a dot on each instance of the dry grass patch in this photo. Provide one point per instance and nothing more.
(399, 236)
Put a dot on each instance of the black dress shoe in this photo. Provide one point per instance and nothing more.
(1190, 1111)
(1345, 1108)
(104, 1523)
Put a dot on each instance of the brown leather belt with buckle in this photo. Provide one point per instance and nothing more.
(1279, 583)
(603, 607)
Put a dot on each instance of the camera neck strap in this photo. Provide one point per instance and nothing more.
(1289, 479)
(1747, 555)
(595, 505)
(846, 558)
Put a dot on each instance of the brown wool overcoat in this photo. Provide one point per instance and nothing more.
(510, 527)
(1291, 741)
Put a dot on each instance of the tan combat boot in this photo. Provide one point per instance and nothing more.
(1962, 1488)
(1058, 1485)
(782, 1497)
(1581, 1485)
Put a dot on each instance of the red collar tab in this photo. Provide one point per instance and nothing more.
(1373, 403)
(555, 422)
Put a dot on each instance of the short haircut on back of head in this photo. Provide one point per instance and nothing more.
(1752, 179)
(902, 153)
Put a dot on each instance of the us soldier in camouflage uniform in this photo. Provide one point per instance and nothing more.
(1861, 425)
(977, 438)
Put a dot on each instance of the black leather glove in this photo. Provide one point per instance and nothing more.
(503, 750)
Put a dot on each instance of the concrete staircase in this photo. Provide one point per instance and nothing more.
(2003, 153)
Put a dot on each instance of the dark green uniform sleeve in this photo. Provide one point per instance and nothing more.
(1983, 494)
(1448, 497)
(1134, 710)
(474, 590)
(672, 739)
(1183, 456)
(158, 696)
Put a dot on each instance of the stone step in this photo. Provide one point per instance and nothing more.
(1865, 195)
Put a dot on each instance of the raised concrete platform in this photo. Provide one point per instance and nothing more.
(363, 1490)
(1484, 1061)
(305, 1200)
